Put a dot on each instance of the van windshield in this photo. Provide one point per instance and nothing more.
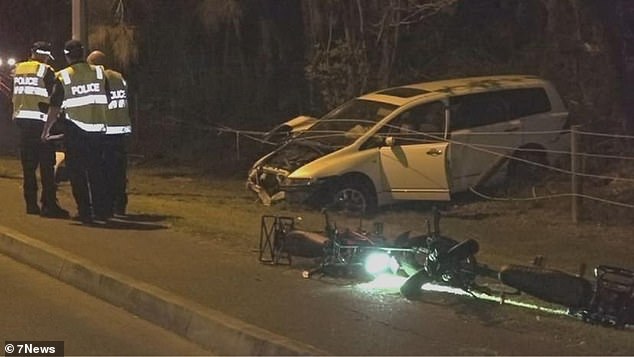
(345, 124)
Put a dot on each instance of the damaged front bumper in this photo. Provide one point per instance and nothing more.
(273, 185)
(266, 182)
(269, 176)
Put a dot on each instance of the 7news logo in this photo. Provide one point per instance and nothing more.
(34, 348)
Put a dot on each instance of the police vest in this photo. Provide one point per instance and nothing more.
(85, 101)
(29, 90)
(118, 114)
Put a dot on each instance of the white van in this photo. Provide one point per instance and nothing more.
(417, 142)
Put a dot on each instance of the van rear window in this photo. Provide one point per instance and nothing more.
(403, 92)
(527, 101)
(472, 110)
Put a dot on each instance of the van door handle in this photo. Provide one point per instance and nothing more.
(434, 152)
(515, 128)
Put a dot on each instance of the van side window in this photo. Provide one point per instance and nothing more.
(478, 109)
(423, 123)
(473, 110)
(527, 101)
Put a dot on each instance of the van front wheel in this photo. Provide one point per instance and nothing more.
(353, 195)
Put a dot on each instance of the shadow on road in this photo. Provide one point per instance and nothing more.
(146, 223)
(141, 217)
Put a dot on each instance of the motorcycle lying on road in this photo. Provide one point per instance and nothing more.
(438, 259)
(608, 301)
(351, 253)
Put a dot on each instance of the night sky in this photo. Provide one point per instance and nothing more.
(23, 22)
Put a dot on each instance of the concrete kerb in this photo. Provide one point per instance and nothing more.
(206, 327)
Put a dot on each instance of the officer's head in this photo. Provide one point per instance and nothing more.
(96, 57)
(74, 51)
(41, 51)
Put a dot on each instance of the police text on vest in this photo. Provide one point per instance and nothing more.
(85, 88)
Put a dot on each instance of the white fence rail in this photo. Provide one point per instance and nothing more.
(578, 156)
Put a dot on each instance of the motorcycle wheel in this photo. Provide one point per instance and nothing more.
(411, 289)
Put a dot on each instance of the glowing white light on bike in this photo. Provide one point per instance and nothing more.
(384, 282)
(525, 304)
(376, 263)
(11, 61)
(444, 289)
(380, 262)
(388, 281)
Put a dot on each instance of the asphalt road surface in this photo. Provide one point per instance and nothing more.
(36, 307)
(343, 319)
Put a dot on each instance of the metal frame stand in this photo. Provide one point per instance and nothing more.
(273, 230)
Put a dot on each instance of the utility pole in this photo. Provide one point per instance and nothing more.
(80, 30)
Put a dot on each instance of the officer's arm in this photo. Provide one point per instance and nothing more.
(107, 87)
(57, 96)
(49, 80)
(10, 89)
(53, 112)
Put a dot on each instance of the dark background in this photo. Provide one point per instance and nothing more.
(249, 64)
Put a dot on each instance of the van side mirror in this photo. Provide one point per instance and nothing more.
(390, 141)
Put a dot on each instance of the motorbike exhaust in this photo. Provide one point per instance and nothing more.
(549, 285)
(304, 244)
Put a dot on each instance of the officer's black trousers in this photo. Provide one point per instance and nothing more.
(84, 162)
(116, 164)
(33, 154)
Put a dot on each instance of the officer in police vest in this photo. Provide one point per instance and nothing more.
(32, 82)
(117, 132)
(81, 90)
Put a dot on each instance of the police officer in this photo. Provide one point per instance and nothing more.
(117, 130)
(32, 82)
(81, 91)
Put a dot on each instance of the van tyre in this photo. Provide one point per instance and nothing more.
(355, 196)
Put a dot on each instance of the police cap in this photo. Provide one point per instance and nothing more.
(74, 49)
(42, 48)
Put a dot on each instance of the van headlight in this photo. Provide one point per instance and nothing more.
(297, 181)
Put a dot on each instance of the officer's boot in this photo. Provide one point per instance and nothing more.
(54, 211)
(50, 207)
(30, 198)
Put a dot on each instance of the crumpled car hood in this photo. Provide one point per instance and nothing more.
(266, 176)
(294, 155)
